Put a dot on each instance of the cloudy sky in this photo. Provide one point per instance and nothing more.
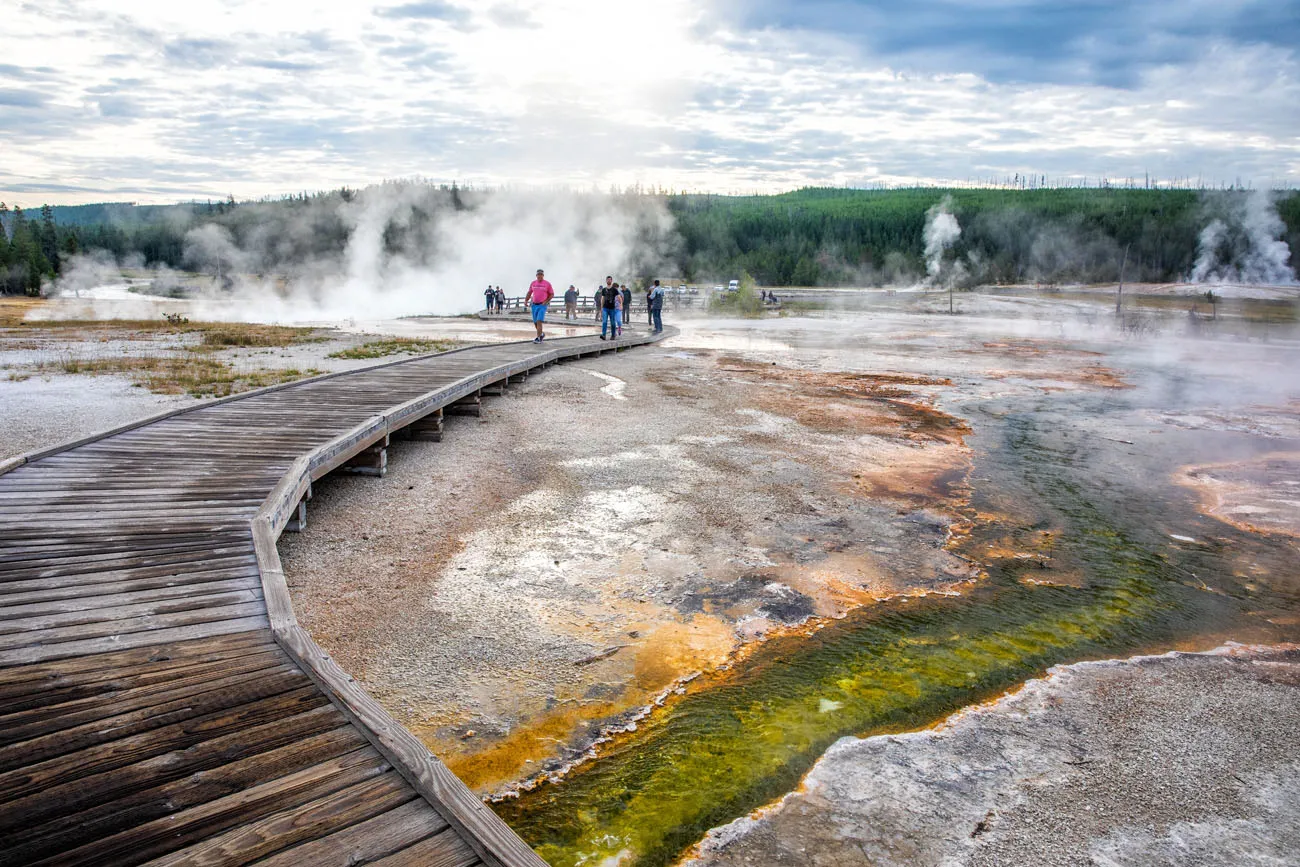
(110, 100)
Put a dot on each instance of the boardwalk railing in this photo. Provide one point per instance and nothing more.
(132, 539)
(587, 303)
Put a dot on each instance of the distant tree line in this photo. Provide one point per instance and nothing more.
(872, 237)
(808, 237)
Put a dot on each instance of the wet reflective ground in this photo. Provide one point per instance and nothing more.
(1090, 549)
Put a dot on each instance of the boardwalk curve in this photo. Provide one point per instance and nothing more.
(159, 703)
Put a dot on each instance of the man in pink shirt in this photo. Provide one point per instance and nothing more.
(540, 294)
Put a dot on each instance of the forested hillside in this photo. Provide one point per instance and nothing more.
(869, 237)
(803, 238)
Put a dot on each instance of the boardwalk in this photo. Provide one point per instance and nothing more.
(159, 703)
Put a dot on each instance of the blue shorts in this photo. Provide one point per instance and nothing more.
(539, 312)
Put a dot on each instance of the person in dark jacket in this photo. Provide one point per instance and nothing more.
(608, 302)
(627, 305)
(655, 301)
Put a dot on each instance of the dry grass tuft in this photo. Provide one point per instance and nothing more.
(169, 374)
(212, 335)
(13, 309)
(220, 335)
(395, 346)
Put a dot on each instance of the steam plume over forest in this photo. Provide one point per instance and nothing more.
(404, 237)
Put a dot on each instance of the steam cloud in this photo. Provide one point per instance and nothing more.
(1242, 244)
(404, 248)
(941, 232)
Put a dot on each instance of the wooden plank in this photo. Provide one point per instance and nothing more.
(275, 592)
(63, 650)
(151, 839)
(251, 841)
(368, 841)
(85, 669)
(95, 585)
(120, 564)
(65, 816)
(129, 694)
(441, 850)
(60, 622)
(59, 687)
(190, 613)
(37, 735)
(97, 750)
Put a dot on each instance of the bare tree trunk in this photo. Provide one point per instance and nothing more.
(1119, 292)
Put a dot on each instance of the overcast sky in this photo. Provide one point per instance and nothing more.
(112, 100)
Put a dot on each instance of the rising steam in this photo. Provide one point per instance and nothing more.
(401, 249)
(941, 232)
(1242, 244)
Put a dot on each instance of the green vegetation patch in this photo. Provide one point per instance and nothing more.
(745, 302)
(395, 346)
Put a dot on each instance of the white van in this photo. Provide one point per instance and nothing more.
(733, 286)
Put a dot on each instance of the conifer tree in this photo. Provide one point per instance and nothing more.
(4, 244)
(49, 239)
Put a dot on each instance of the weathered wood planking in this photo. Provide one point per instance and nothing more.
(159, 702)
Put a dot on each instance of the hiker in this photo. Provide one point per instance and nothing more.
(571, 303)
(655, 301)
(627, 305)
(540, 293)
(650, 319)
(620, 293)
(490, 297)
(501, 300)
(605, 303)
(596, 299)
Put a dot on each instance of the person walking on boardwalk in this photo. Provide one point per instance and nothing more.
(627, 307)
(490, 296)
(649, 314)
(540, 293)
(501, 300)
(607, 301)
(655, 301)
(618, 308)
(571, 303)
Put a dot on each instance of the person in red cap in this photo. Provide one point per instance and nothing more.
(540, 294)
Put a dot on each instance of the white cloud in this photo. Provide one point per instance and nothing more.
(132, 99)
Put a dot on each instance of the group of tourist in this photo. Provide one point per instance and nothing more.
(495, 299)
(613, 302)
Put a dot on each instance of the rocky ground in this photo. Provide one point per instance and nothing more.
(1179, 759)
